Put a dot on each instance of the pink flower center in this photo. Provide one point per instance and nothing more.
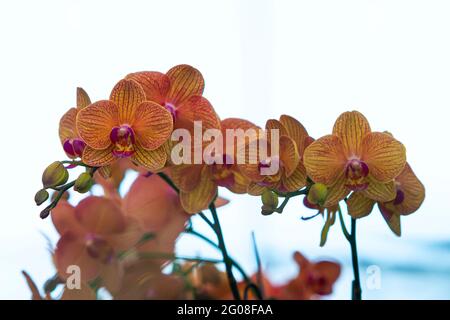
(356, 169)
(98, 248)
(74, 147)
(399, 198)
(123, 139)
(172, 109)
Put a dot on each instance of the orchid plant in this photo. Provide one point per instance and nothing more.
(161, 126)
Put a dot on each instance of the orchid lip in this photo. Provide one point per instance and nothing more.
(356, 169)
(399, 198)
(123, 139)
(172, 109)
(74, 147)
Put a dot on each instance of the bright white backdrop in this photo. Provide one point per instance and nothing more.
(310, 59)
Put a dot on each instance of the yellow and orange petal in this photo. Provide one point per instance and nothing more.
(152, 125)
(324, 159)
(379, 191)
(185, 81)
(156, 85)
(127, 95)
(154, 160)
(413, 191)
(351, 128)
(296, 131)
(95, 122)
(202, 195)
(196, 108)
(83, 99)
(384, 155)
(98, 158)
(359, 205)
(67, 125)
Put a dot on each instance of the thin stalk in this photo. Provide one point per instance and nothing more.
(226, 258)
(356, 284)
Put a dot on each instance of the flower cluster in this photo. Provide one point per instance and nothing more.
(138, 128)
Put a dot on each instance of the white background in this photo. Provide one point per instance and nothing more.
(310, 59)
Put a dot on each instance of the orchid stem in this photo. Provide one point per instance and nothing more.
(235, 264)
(226, 258)
(356, 283)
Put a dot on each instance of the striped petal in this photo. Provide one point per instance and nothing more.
(98, 158)
(255, 189)
(67, 125)
(94, 123)
(100, 216)
(196, 108)
(379, 191)
(152, 125)
(240, 183)
(351, 127)
(83, 99)
(185, 81)
(385, 156)
(155, 84)
(359, 205)
(337, 191)
(186, 176)
(324, 159)
(296, 131)
(127, 95)
(296, 180)
(201, 196)
(288, 155)
(413, 191)
(153, 160)
(392, 219)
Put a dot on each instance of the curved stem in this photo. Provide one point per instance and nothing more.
(356, 284)
(226, 258)
(235, 264)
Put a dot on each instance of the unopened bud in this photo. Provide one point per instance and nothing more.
(55, 175)
(83, 183)
(317, 194)
(41, 196)
(270, 202)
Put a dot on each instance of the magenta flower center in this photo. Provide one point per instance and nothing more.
(74, 147)
(356, 169)
(172, 109)
(98, 248)
(399, 198)
(123, 139)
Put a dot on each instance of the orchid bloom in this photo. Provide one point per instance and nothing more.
(125, 126)
(180, 92)
(410, 194)
(291, 176)
(92, 234)
(71, 141)
(198, 183)
(354, 158)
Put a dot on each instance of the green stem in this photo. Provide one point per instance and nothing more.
(249, 282)
(226, 258)
(356, 284)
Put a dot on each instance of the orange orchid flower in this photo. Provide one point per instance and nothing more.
(71, 141)
(291, 176)
(410, 194)
(314, 279)
(354, 158)
(198, 183)
(125, 126)
(180, 92)
(92, 234)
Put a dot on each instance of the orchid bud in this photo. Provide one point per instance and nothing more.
(270, 202)
(317, 194)
(83, 183)
(55, 175)
(41, 196)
